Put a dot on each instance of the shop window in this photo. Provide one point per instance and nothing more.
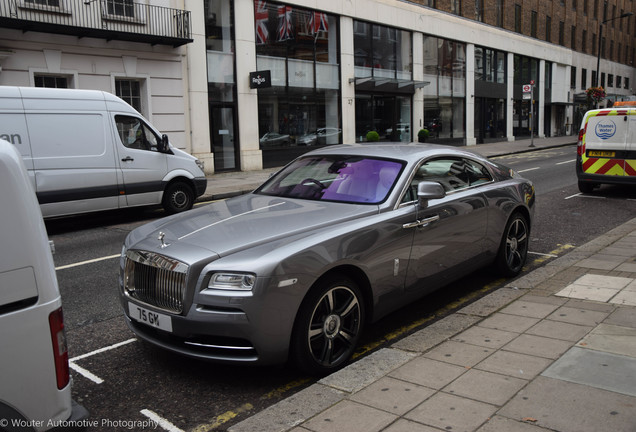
(383, 52)
(301, 109)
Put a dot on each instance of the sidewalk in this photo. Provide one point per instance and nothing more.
(554, 350)
(225, 185)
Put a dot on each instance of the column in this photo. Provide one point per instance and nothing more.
(197, 118)
(249, 152)
(470, 95)
(347, 80)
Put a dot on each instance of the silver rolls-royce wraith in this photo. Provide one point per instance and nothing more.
(338, 238)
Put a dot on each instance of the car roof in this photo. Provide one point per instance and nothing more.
(410, 152)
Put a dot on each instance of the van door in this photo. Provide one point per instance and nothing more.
(143, 166)
(606, 144)
(74, 162)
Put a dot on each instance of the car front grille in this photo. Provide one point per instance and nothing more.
(155, 280)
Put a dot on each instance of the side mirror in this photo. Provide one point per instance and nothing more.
(163, 144)
(427, 190)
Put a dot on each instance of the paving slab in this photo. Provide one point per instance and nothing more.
(429, 373)
(598, 369)
(514, 364)
(485, 337)
(492, 388)
(351, 417)
(559, 330)
(569, 407)
(538, 346)
(578, 316)
(612, 339)
(458, 353)
(507, 322)
(393, 395)
(502, 424)
(529, 309)
(452, 413)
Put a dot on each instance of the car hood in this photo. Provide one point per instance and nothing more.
(239, 223)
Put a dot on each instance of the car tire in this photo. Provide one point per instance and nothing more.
(328, 326)
(586, 187)
(513, 249)
(177, 197)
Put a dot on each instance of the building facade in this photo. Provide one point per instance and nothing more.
(252, 83)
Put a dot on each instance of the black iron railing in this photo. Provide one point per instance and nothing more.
(104, 19)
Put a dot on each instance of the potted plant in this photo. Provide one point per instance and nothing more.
(422, 135)
(373, 136)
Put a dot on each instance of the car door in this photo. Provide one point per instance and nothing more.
(143, 166)
(449, 232)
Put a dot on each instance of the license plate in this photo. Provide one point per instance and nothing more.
(153, 319)
(597, 153)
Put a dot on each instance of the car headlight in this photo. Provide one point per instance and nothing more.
(200, 164)
(232, 281)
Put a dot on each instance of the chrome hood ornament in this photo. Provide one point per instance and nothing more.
(161, 236)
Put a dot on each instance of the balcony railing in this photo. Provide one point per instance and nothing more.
(104, 19)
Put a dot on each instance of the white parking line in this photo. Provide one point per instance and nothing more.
(89, 375)
(87, 262)
(566, 162)
(165, 424)
(529, 169)
(584, 196)
(86, 374)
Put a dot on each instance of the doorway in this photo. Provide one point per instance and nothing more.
(223, 145)
(388, 115)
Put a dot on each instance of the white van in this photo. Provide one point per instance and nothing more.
(606, 151)
(35, 389)
(88, 150)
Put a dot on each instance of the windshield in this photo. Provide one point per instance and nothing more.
(352, 179)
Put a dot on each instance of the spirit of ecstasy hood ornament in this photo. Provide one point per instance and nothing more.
(162, 235)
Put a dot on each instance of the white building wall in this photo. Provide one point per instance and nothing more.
(93, 63)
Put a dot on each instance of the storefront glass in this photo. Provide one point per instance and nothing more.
(444, 98)
(526, 71)
(301, 109)
(384, 86)
(219, 30)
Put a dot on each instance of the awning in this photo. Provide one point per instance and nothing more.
(389, 85)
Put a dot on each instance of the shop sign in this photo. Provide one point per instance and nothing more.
(260, 79)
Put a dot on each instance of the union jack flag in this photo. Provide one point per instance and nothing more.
(261, 16)
(318, 22)
(284, 23)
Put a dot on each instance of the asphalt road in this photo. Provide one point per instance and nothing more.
(124, 382)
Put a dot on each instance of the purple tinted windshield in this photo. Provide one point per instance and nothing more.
(336, 178)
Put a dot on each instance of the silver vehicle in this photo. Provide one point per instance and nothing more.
(339, 237)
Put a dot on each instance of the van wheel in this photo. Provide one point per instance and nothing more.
(328, 326)
(586, 187)
(513, 249)
(177, 197)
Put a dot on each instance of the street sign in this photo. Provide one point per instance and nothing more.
(527, 88)
(527, 96)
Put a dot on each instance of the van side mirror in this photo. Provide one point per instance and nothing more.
(427, 190)
(164, 144)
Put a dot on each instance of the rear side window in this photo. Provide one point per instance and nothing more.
(135, 134)
(452, 173)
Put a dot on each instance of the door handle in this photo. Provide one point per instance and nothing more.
(421, 223)
(127, 159)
